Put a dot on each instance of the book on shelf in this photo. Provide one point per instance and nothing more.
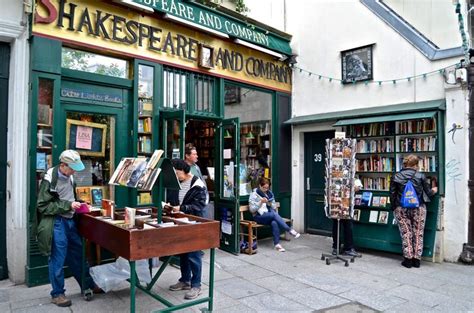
(145, 107)
(45, 137)
(373, 216)
(366, 199)
(383, 217)
(144, 198)
(383, 202)
(358, 199)
(83, 194)
(45, 114)
(416, 126)
(41, 161)
(356, 216)
(97, 195)
(376, 201)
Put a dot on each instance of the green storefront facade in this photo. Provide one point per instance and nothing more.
(85, 78)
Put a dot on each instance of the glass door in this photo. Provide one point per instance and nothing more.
(173, 128)
(227, 201)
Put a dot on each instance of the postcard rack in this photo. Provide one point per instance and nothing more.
(339, 195)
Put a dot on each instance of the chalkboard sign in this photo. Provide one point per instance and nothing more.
(85, 137)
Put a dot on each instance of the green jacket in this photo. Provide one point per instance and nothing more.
(49, 205)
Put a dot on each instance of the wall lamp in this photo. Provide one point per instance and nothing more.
(194, 25)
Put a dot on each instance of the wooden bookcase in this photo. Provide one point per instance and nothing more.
(381, 148)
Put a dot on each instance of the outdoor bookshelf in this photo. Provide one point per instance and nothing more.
(381, 148)
(146, 79)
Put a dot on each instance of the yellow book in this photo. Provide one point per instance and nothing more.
(84, 194)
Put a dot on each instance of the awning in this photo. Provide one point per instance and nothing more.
(381, 111)
(385, 118)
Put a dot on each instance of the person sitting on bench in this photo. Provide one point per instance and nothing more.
(262, 207)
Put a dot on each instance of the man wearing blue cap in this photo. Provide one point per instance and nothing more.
(58, 237)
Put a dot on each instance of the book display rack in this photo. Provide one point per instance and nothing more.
(145, 122)
(380, 149)
(339, 198)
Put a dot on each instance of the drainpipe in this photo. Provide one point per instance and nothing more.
(467, 254)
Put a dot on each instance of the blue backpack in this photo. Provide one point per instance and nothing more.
(409, 199)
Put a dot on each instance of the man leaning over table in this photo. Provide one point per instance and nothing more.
(57, 233)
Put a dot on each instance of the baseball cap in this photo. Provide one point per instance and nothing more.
(72, 159)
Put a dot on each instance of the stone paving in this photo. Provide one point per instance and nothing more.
(293, 281)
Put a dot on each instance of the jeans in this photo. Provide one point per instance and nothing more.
(348, 241)
(274, 219)
(191, 263)
(66, 249)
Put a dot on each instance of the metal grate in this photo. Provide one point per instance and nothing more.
(203, 93)
(174, 88)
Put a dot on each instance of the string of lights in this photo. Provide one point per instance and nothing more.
(441, 71)
(465, 43)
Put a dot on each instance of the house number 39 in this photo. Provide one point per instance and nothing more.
(318, 157)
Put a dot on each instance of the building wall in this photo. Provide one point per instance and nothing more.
(13, 29)
(320, 32)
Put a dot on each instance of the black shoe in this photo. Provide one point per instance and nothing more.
(352, 252)
(415, 262)
(407, 262)
(334, 251)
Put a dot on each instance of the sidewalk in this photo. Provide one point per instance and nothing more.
(293, 281)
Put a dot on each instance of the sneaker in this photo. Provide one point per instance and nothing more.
(193, 293)
(279, 248)
(180, 286)
(61, 301)
(352, 252)
(334, 251)
(294, 233)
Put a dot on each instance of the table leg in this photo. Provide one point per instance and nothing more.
(133, 277)
(211, 279)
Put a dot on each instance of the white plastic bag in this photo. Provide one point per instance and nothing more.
(109, 276)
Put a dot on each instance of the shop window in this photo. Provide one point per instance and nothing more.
(203, 93)
(254, 110)
(94, 63)
(174, 87)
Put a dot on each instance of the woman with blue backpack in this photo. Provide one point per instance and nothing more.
(409, 193)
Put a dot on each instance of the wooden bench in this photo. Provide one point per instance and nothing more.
(248, 228)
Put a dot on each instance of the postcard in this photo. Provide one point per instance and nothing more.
(373, 216)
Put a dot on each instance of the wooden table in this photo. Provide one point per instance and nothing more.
(138, 244)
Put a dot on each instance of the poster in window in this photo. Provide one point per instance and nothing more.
(77, 133)
(357, 64)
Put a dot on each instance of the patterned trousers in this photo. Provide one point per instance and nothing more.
(411, 223)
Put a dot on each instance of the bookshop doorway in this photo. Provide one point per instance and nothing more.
(4, 74)
(316, 221)
(202, 135)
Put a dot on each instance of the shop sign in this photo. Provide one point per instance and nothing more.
(212, 19)
(100, 25)
(92, 96)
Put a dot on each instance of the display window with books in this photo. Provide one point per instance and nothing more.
(44, 127)
(145, 144)
(381, 148)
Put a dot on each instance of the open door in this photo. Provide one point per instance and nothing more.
(173, 127)
(227, 199)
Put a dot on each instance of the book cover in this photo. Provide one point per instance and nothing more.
(357, 199)
(366, 198)
(383, 202)
(373, 216)
(108, 206)
(139, 166)
(96, 196)
(356, 215)
(83, 194)
(383, 217)
(41, 163)
(376, 201)
(124, 170)
(44, 114)
(144, 198)
(152, 179)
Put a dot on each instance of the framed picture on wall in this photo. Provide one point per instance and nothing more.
(87, 138)
(206, 56)
(357, 64)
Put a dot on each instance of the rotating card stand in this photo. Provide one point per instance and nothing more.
(340, 172)
(329, 257)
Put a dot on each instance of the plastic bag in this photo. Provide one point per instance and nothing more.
(110, 276)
